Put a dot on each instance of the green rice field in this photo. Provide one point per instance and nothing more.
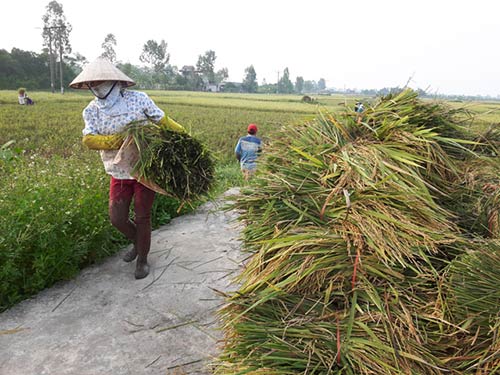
(53, 193)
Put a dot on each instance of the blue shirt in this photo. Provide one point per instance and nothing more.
(247, 150)
(359, 108)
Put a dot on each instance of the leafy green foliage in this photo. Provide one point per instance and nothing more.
(249, 83)
(23, 68)
(108, 48)
(53, 222)
(285, 85)
(206, 65)
(9, 155)
(155, 54)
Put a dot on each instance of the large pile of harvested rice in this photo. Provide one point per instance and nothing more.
(362, 262)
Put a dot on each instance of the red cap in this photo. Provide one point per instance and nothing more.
(252, 129)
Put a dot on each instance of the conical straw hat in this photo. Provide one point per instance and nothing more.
(100, 70)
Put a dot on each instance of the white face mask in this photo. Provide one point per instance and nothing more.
(102, 91)
(111, 102)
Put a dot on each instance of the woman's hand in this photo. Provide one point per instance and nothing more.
(167, 123)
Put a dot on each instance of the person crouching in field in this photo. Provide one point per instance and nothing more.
(108, 114)
(23, 97)
(247, 151)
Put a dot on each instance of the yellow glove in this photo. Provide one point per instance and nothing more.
(103, 142)
(167, 123)
(114, 141)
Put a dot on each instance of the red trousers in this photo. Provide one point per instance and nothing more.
(138, 231)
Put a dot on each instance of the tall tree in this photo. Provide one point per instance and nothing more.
(155, 54)
(221, 75)
(189, 78)
(250, 81)
(321, 84)
(77, 62)
(299, 84)
(27, 69)
(310, 86)
(108, 48)
(206, 66)
(285, 85)
(56, 30)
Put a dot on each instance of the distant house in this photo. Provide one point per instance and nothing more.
(213, 87)
(187, 70)
(219, 87)
(190, 71)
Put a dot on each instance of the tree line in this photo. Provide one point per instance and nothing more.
(57, 65)
(35, 71)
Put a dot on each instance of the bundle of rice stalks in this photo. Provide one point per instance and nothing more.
(476, 199)
(349, 247)
(176, 162)
(473, 194)
(474, 304)
(489, 141)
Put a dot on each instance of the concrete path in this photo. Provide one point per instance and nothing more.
(106, 322)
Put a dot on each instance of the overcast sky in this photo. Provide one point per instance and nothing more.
(445, 46)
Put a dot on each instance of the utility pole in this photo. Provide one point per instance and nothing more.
(61, 64)
(51, 61)
(278, 84)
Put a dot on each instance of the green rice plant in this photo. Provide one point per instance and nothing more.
(53, 220)
(9, 155)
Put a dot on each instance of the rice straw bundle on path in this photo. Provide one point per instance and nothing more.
(351, 239)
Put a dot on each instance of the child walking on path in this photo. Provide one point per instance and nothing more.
(247, 151)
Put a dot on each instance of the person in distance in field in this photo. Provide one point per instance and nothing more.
(247, 151)
(23, 97)
(112, 109)
(359, 109)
